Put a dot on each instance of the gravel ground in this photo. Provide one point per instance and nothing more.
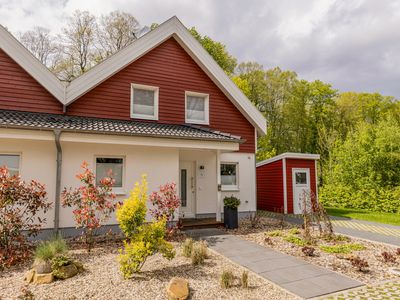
(102, 279)
(378, 269)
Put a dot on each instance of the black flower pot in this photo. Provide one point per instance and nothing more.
(230, 217)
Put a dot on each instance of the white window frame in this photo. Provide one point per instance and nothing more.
(206, 97)
(231, 187)
(155, 89)
(117, 190)
(19, 160)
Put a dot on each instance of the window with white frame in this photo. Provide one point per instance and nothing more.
(229, 176)
(11, 161)
(110, 167)
(144, 102)
(197, 108)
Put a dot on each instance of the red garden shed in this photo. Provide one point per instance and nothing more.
(282, 179)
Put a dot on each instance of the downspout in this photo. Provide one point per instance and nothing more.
(57, 134)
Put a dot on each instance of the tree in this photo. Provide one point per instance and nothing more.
(93, 204)
(20, 203)
(115, 31)
(40, 43)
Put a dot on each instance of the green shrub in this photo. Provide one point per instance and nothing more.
(275, 233)
(294, 230)
(245, 279)
(48, 250)
(187, 247)
(199, 253)
(231, 202)
(144, 239)
(342, 248)
(227, 279)
(295, 240)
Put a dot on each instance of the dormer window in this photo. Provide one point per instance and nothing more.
(196, 108)
(144, 102)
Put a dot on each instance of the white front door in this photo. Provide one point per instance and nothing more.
(187, 182)
(301, 189)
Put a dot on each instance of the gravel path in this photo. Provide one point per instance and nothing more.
(103, 280)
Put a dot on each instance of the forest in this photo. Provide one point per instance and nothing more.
(357, 134)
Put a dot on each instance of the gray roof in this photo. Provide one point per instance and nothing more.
(44, 121)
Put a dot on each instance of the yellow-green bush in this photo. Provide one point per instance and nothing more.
(143, 239)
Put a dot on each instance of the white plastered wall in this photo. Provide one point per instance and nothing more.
(38, 162)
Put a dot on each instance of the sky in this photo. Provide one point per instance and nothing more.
(353, 45)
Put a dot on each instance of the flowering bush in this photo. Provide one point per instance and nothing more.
(20, 203)
(165, 202)
(93, 204)
(143, 239)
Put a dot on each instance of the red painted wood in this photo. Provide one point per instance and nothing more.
(20, 91)
(171, 69)
(299, 163)
(270, 187)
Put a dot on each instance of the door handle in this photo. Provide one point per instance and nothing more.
(192, 182)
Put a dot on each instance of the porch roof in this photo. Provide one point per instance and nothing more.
(44, 121)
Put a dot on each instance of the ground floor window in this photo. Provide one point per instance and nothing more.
(11, 161)
(229, 176)
(110, 166)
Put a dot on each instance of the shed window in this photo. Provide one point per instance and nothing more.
(11, 161)
(144, 102)
(229, 176)
(110, 167)
(197, 108)
(301, 178)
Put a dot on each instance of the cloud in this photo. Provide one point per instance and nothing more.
(354, 45)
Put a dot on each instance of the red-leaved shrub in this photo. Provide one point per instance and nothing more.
(20, 202)
(93, 204)
(165, 202)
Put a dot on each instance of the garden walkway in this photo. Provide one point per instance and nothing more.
(376, 232)
(297, 276)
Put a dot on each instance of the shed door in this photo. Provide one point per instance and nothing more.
(301, 189)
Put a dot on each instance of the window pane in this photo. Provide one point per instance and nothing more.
(106, 167)
(11, 162)
(183, 187)
(195, 108)
(143, 102)
(301, 178)
(228, 174)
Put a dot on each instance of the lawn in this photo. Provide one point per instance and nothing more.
(359, 214)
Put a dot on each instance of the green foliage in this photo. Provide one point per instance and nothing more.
(144, 239)
(231, 202)
(227, 279)
(342, 248)
(187, 247)
(217, 50)
(275, 233)
(199, 253)
(367, 215)
(295, 240)
(294, 230)
(46, 251)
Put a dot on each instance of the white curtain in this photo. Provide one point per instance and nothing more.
(106, 165)
(195, 108)
(143, 102)
(11, 162)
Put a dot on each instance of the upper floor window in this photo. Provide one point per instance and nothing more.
(11, 161)
(196, 108)
(144, 102)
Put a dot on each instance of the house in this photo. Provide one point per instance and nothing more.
(160, 106)
(284, 180)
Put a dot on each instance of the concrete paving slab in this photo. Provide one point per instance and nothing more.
(297, 276)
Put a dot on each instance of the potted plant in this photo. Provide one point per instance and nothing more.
(231, 205)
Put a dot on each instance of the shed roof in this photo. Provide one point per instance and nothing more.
(292, 155)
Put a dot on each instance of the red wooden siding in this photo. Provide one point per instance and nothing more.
(270, 186)
(171, 69)
(298, 163)
(20, 91)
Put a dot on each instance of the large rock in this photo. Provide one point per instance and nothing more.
(42, 267)
(65, 272)
(178, 289)
(29, 275)
(43, 278)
